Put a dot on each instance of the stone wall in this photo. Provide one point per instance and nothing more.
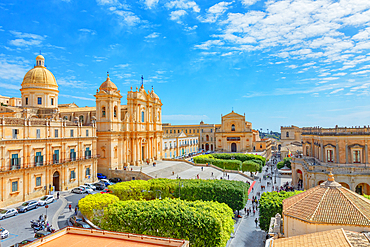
(128, 175)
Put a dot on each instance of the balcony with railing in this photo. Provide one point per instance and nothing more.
(314, 165)
(39, 160)
(16, 164)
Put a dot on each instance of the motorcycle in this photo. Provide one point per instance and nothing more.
(35, 223)
(38, 228)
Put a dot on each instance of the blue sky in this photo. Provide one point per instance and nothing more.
(298, 62)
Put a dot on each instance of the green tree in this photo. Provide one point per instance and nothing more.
(270, 204)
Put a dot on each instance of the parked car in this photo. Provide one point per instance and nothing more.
(87, 189)
(4, 233)
(106, 182)
(106, 191)
(41, 234)
(5, 213)
(101, 176)
(78, 222)
(91, 186)
(115, 180)
(45, 200)
(27, 206)
(78, 190)
(99, 186)
(24, 242)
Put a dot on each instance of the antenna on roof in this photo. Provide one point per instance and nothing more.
(142, 80)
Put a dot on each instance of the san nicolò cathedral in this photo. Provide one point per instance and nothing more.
(46, 146)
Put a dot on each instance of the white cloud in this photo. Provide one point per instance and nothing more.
(106, 2)
(308, 64)
(363, 35)
(361, 72)
(177, 14)
(340, 74)
(127, 17)
(336, 90)
(26, 39)
(76, 97)
(330, 78)
(152, 35)
(13, 69)
(215, 11)
(207, 45)
(249, 2)
(85, 30)
(292, 66)
(187, 28)
(151, 3)
(183, 4)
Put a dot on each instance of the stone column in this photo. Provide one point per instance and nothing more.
(366, 154)
(337, 153)
(322, 158)
(346, 154)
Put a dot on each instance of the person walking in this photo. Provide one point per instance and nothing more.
(256, 221)
(254, 212)
(58, 195)
(70, 207)
(76, 210)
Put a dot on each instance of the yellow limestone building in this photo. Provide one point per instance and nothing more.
(39, 152)
(234, 134)
(45, 146)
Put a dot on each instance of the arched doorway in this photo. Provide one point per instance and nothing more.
(344, 185)
(233, 147)
(299, 178)
(211, 147)
(363, 188)
(56, 181)
(202, 146)
(207, 147)
(142, 153)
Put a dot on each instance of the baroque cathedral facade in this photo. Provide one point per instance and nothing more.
(46, 146)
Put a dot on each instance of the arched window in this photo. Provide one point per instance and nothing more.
(287, 134)
(103, 111)
(115, 111)
(233, 127)
(81, 118)
(207, 138)
(142, 117)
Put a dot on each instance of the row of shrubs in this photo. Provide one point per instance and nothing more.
(243, 162)
(203, 223)
(233, 193)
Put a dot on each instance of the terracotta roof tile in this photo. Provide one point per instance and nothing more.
(332, 238)
(329, 203)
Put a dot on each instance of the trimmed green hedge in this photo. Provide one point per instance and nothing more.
(233, 193)
(90, 205)
(251, 166)
(270, 204)
(224, 161)
(202, 223)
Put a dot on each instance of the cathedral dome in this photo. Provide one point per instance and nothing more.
(108, 85)
(39, 76)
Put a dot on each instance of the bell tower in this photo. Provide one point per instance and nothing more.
(108, 107)
(108, 126)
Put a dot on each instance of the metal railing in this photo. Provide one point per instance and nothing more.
(15, 163)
